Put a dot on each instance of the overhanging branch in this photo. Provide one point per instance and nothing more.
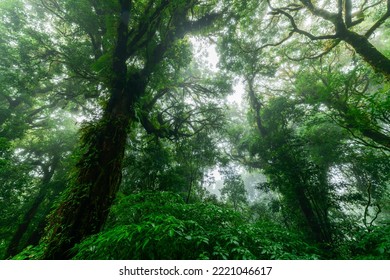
(377, 24)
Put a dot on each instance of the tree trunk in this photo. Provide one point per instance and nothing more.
(318, 229)
(368, 52)
(86, 204)
(363, 124)
(320, 233)
(14, 245)
(36, 234)
(376, 136)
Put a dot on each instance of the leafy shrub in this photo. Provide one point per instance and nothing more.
(31, 253)
(372, 245)
(162, 226)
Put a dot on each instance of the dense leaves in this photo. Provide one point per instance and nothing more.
(162, 226)
(166, 165)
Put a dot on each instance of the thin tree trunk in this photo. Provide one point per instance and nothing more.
(14, 245)
(38, 231)
(320, 234)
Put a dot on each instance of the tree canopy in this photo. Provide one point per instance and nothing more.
(216, 129)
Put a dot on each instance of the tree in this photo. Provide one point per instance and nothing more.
(14, 184)
(358, 100)
(47, 152)
(344, 20)
(33, 97)
(273, 143)
(299, 164)
(144, 33)
(233, 189)
(315, 125)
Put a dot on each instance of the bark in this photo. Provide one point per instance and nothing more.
(317, 227)
(85, 207)
(360, 43)
(86, 204)
(368, 52)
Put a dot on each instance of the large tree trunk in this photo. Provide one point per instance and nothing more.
(86, 203)
(318, 228)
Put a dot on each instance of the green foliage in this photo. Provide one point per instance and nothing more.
(324, 146)
(31, 253)
(14, 189)
(234, 189)
(372, 245)
(31, 178)
(162, 226)
(153, 163)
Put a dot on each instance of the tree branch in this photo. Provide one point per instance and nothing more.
(347, 12)
(300, 31)
(138, 38)
(328, 50)
(366, 209)
(379, 22)
(334, 18)
(273, 44)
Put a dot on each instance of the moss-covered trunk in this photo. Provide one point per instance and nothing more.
(87, 201)
(368, 52)
(319, 226)
(85, 206)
